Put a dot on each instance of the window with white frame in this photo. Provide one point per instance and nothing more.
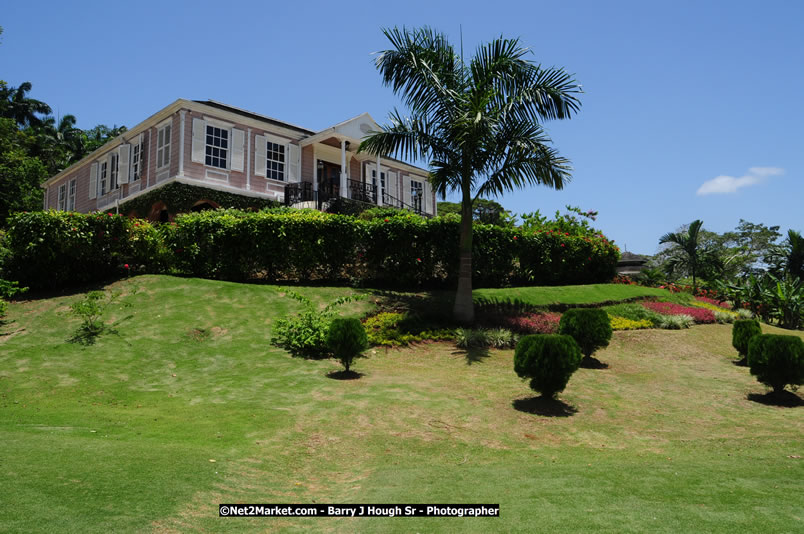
(217, 148)
(103, 184)
(163, 147)
(275, 161)
(113, 172)
(374, 178)
(135, 161)
(62, 197)
(416, 194)
(71, 196)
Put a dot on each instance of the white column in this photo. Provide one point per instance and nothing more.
(315, 171)
(379, 182)
(182, 113)
(248, 159)
(344, 192)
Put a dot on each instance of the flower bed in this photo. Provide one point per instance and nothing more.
(532, 323)
(714, 302)
(700, 315)
(621, 323)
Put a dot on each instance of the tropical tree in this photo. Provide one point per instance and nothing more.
(484, 211)
(795, 254)
(687, 252)
(478, 124)
(15, 104)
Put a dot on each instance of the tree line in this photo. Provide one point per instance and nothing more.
(35, 144)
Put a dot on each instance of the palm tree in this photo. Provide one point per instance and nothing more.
(795, 254)
(476, 123)
(689, 255)
(16, 105)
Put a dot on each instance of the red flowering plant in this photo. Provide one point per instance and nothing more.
(700, 315)
(527, 323)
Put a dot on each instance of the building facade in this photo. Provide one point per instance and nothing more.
(214, 146)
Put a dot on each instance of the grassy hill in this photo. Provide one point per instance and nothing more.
(188, 406)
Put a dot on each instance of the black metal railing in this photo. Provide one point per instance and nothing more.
(299, 192)
(359, 191)
(394, 202)
(362, 191)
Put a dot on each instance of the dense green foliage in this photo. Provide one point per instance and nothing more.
(589, 327)
(346, 339)
(574, 222)
(484, 211)
(392, 329)
(497, 338)
(741, 334)
(548, 360)
(777, 360)
(56, 249)
(305, 335)
(404, 251)
(779, 299)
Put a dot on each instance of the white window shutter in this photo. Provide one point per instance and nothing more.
(294, 162)
(93, 180)
(428, 197)
(199, 140)
(238, 140)
(406, 190)
(393, 187)
(123, 163)
(260, 154)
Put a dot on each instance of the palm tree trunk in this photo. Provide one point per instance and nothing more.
(464, 311)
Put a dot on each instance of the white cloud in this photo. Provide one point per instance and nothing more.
(730, 184)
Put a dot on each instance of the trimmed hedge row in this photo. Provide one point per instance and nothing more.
(53, 249)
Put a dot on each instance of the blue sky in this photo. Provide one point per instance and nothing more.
(691, 109)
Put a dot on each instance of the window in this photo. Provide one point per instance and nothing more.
(163, 147)
(374, 178)
(113, 172)
(416, 195)
(102, 175)
(217, 148)
(71, 196)
(275, 167)
(135, 162)
(62, 197)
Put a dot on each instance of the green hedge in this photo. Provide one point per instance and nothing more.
(404, 251)
(52, 249)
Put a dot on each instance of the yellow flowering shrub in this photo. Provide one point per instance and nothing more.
(621, 323)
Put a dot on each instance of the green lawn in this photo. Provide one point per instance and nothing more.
(119, 436)
(586, 294)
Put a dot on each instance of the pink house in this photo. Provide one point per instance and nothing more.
(210, 145)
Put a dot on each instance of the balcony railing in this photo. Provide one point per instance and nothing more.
(362, 192)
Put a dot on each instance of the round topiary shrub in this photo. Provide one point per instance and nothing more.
(347, 340)
(741, 333)
(777, 361)
(589, 327)
(548, 360)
